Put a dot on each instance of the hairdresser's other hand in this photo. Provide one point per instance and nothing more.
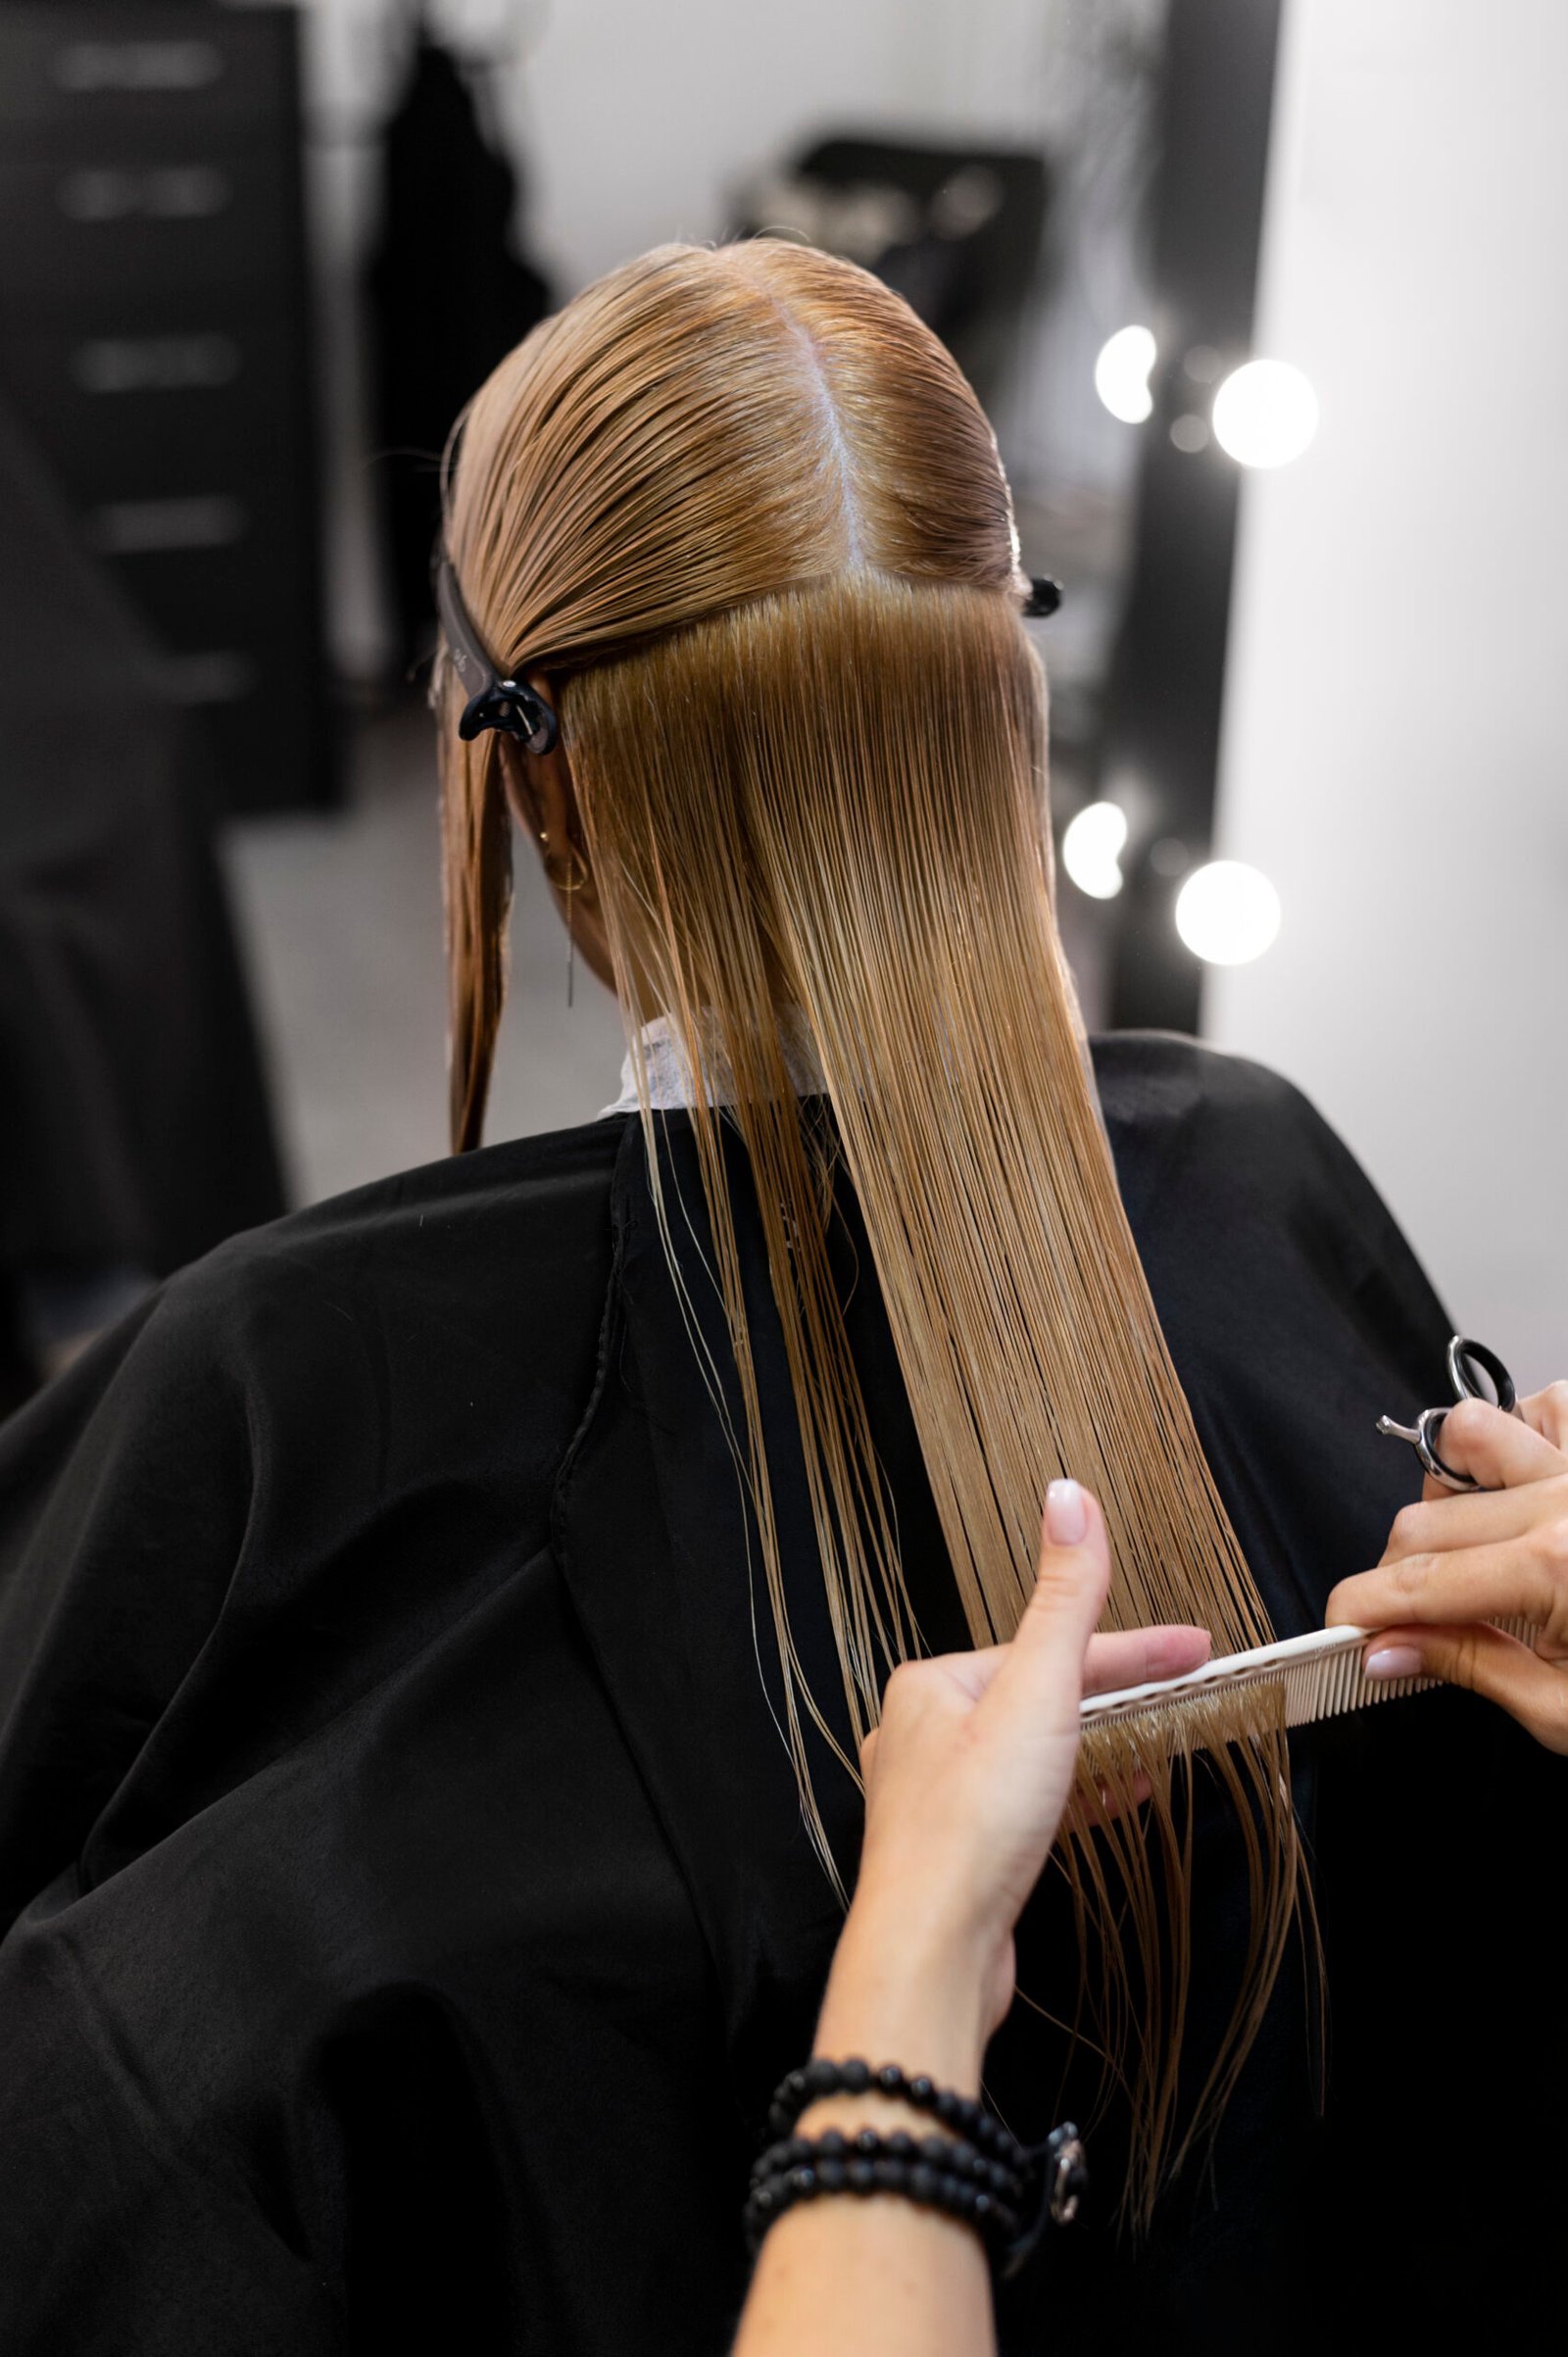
(1458, 1561)
(966, 1781)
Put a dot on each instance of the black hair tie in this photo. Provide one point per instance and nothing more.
(509, 704)
(1045, 596)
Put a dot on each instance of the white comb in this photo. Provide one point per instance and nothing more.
(1321, 1673)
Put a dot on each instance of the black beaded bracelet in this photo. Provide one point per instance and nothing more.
(928, 2174)
(978, 2171)
(952, 2154)
(962, 2113)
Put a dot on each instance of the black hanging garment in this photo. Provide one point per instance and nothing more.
(410, 1903)
(449, 297)
(134, 1124)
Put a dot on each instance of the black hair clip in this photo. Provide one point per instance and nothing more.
(493, 702)
(1045, 596)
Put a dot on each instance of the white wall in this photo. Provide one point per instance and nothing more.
(1396, 744)
(642, 121)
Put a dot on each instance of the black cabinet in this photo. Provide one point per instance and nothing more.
(153, 338)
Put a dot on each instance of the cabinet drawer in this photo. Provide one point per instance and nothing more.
(263, 725)
(69, 71)
(130, 408)
(218, 566)
(182, 220)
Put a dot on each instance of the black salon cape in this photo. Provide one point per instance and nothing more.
(411, 1907)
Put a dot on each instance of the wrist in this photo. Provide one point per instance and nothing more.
(907, 1991)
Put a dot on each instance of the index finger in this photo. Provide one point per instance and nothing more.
(1506, 1582)
(1120, 1657)
(1498, 1450)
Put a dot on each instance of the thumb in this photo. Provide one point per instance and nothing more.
(1044, 1669)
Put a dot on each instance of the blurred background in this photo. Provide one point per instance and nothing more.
(1266, 300)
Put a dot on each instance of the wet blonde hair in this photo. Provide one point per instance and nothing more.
(747, 511)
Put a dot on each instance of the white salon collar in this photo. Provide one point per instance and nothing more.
(671, 1082)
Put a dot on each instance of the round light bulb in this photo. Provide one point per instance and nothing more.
(1122, 374)
(1090, 846)
(1227, 913)
(1266, 414)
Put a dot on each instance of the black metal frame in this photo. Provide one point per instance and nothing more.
(1160, 748)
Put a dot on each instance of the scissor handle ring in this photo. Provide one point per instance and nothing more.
(1428, 1424)
(1464, 1358)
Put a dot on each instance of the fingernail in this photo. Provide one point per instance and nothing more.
(1392, 1662)
(1066, 1514)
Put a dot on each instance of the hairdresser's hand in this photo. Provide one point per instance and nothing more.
(1460, 1559)
(966, 1781)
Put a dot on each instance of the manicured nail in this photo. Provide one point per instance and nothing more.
(1392, 1661)
(1066, 1514)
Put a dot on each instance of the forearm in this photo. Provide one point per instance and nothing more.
(856, 2276)
(966, 1777)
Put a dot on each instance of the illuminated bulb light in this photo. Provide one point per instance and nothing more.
(1227, 913)
(1090, 847)
(1122, 374)
(1266, 414)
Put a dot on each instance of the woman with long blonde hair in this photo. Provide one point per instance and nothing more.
(442, 1629)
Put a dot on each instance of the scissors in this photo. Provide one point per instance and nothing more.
(1471, 1368)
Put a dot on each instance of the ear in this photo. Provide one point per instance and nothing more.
(539, 788)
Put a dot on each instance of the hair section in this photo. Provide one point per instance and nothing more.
(746, 510)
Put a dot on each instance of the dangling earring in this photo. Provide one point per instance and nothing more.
(569, 884)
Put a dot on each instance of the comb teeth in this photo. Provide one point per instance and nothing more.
(1321, 1674)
